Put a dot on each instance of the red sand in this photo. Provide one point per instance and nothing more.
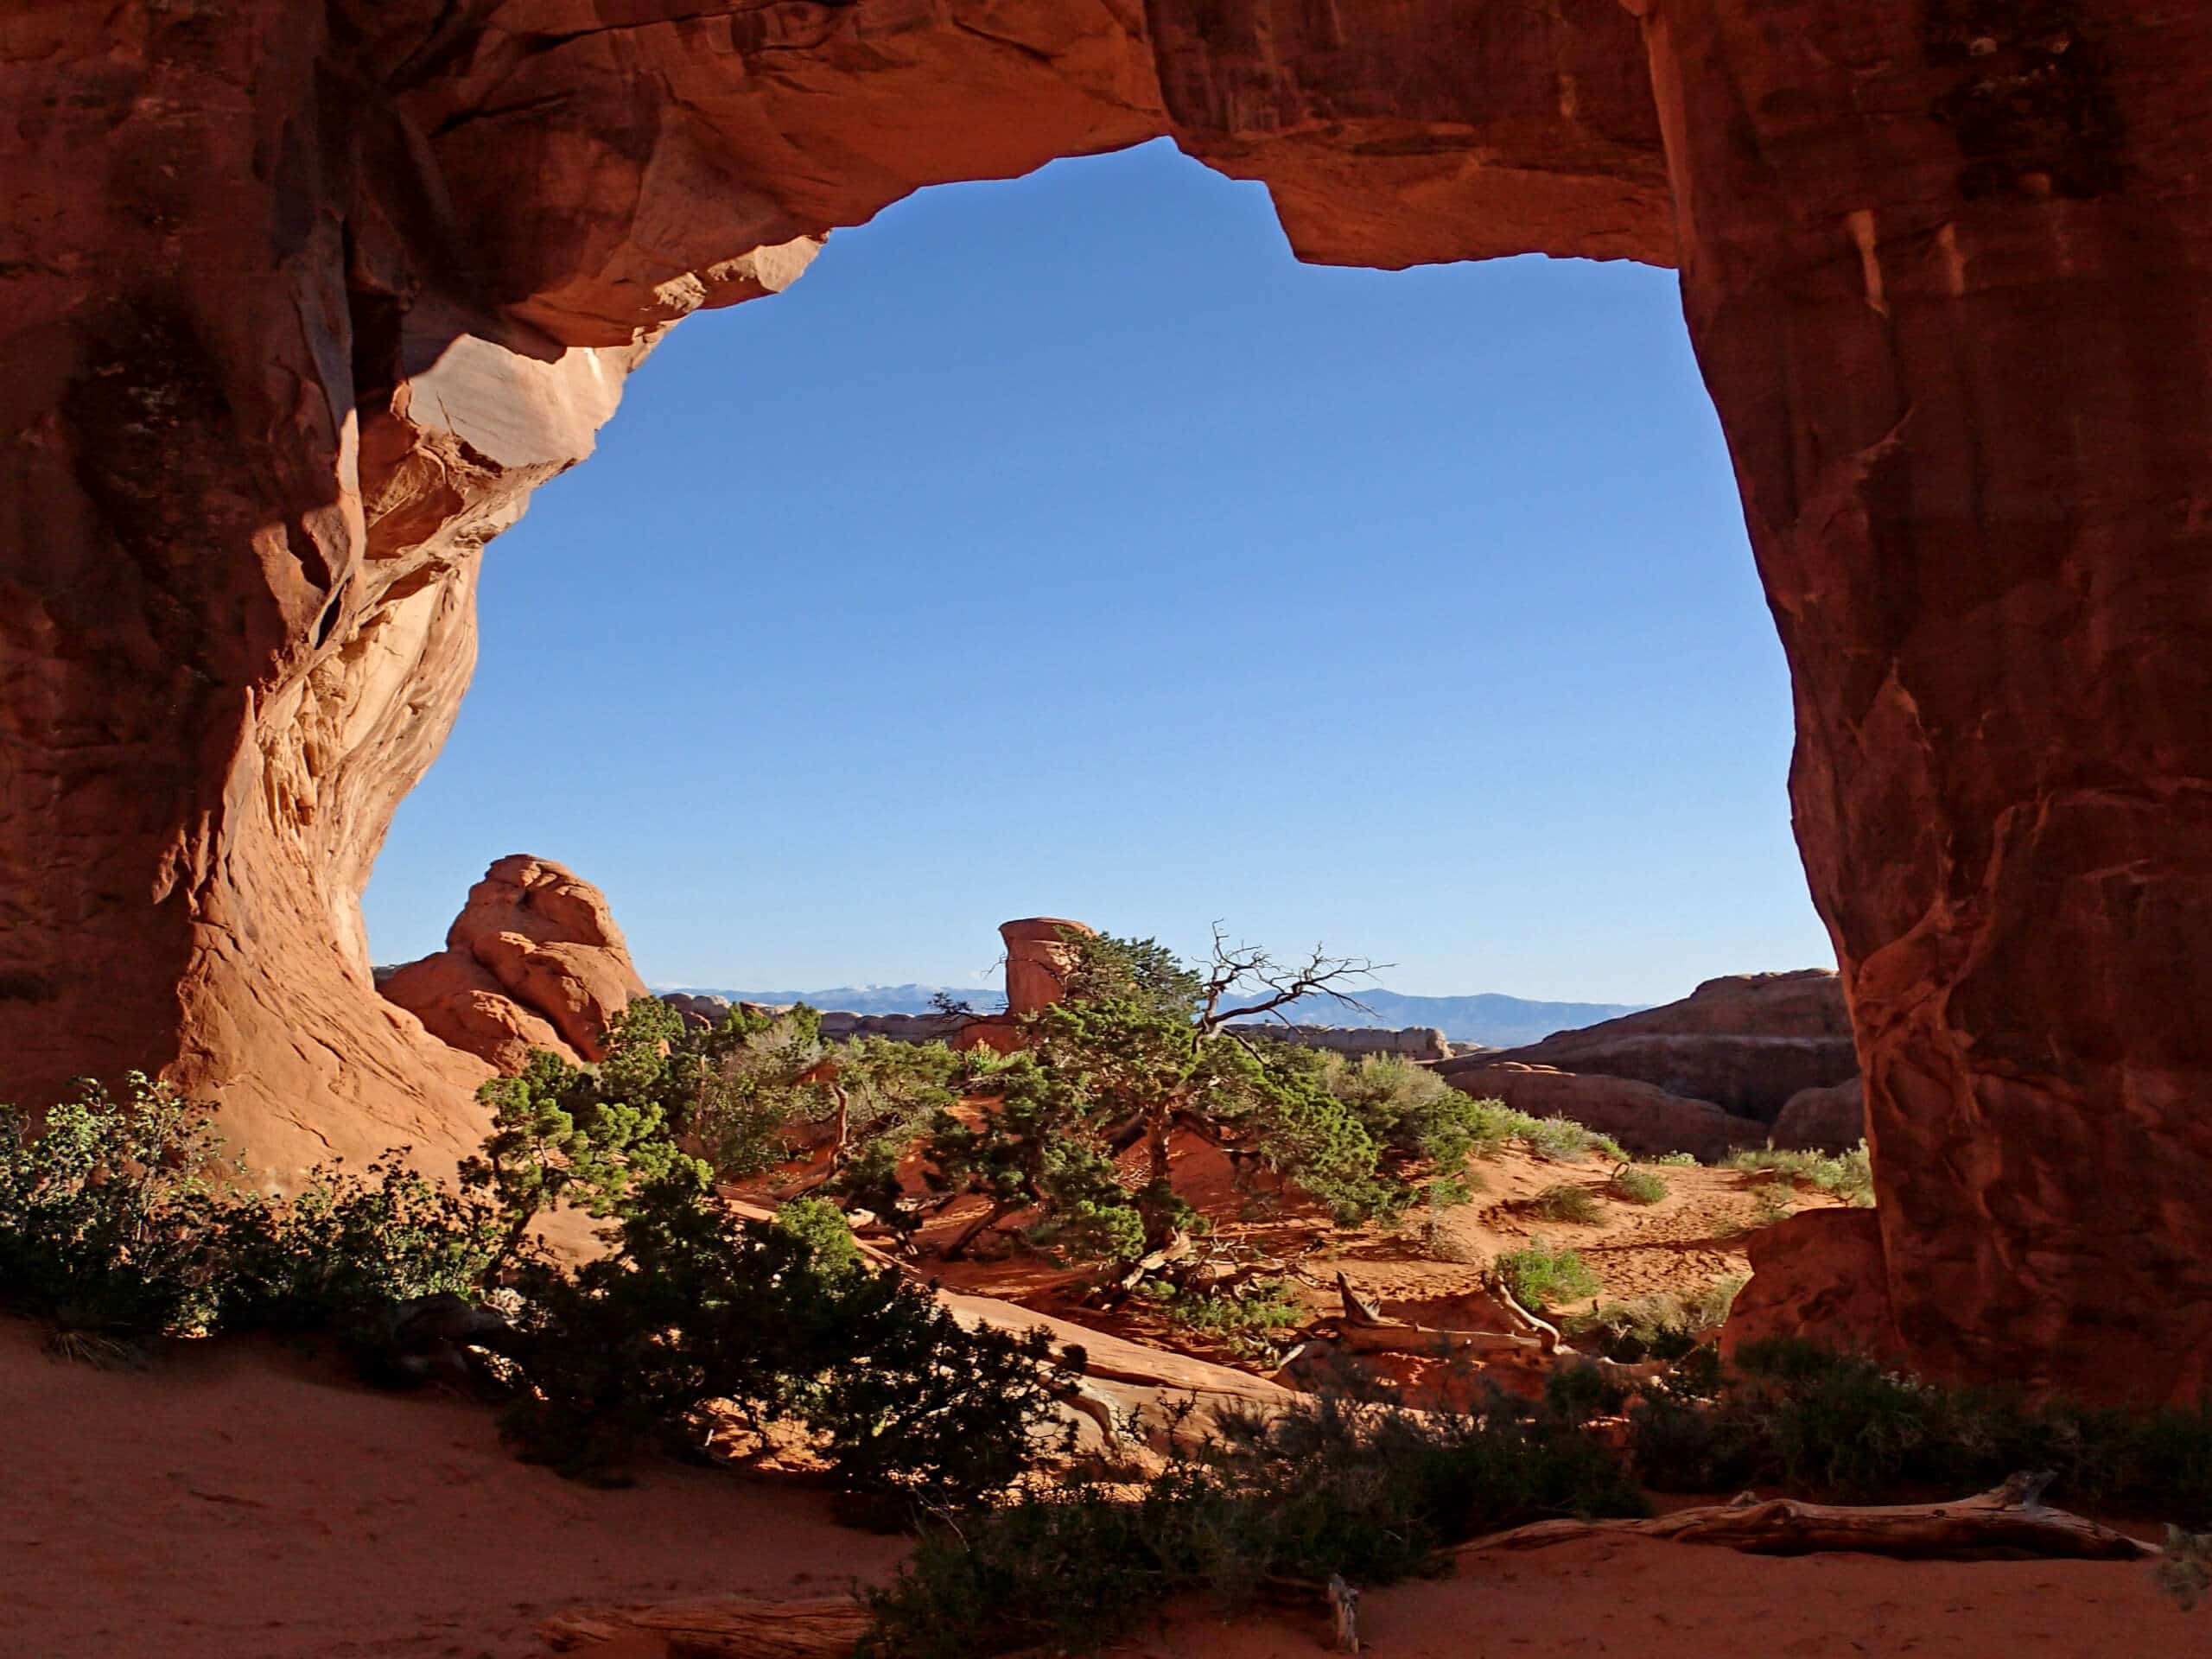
(240, 1503)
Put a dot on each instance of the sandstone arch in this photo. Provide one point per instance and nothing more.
(302, 300)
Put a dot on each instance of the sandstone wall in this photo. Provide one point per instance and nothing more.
(300, 302)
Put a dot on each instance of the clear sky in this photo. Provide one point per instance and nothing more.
(1062, 546)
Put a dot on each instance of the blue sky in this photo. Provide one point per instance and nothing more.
(1062, 546)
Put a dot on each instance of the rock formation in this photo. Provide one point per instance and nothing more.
(1819, 1275)
(534, 960)
(1747, 1042)
(302, 300)
(1832, 1119)
(1644, 1119)
(1038, 960)
(1424, 1043)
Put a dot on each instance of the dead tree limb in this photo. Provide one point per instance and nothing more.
(2007, 1520)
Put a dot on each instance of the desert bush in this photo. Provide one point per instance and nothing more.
(1656, 1327)
(696, 1310)
(1245, 1320)
(1417, 1118)
(2186, 1572)
(109, 1216)
(331, 1256)
(1848, 1176)
(1797, 1415)
(1634, 1185)
(1671, 1161)
(1569, 1202)
(1541, 1276)
(124, 1221)
(1333, 1485)
(1492, 1126)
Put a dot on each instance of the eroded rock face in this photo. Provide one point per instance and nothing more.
(1747, 1042)
(302, 301)
(533, 961)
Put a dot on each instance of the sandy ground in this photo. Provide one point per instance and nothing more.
(1640, 1599)
(239, 1502)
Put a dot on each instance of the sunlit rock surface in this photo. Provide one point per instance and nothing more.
(301, 300)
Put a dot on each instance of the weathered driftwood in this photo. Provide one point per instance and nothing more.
(1363, 1330)
(2010, 1520)
(739, 1628)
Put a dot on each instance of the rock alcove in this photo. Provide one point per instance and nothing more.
(302, 301)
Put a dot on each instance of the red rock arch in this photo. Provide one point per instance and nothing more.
(302, 301)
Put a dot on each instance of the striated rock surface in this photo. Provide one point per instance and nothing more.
(1644, 1119)
(301, 302)
(1745, 1042)
(1823, 1120)
(534, 960)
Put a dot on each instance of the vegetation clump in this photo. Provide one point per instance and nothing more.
(121, 1224)
(1246, 1320)
(1848, 1176)
(1633, 1184)
(1359, 1488)
(1656, 1327)
(1796, 1415)
(1542, 1276)
(1569, 1202)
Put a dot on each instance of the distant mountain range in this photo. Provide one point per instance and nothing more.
(1497, 1020)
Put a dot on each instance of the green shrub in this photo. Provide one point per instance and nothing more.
(109, 1217)
(1245, 1320)
(1418, 1119)
(1655, 1327)
(1671, 1161)
(1848, 1176)
(1331, 1485)
(1844, 1424)
(1542, 1277)
(1568, 1203)
(1632, 1185)
(820, 1226)
(695, 1309)
(331, 1256)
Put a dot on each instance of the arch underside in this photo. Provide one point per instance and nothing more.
(303, 302)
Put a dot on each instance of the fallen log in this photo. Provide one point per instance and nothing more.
(740, 1628)
(2010, 1521)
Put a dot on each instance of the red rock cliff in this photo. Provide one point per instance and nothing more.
(301, 300)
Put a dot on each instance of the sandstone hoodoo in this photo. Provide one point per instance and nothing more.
(303, 300)
(533, 961)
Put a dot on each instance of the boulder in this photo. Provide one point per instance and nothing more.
(1818, 1275)
(534, 960)
(1747, 1042)
(1832, 1119)
(1645, 1120)
(698, 1008)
